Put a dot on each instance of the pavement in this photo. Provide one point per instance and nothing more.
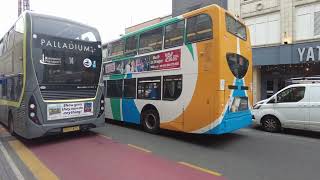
(89, 156)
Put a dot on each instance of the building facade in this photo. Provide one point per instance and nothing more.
(285, 36)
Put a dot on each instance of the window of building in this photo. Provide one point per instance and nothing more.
(307, 16)
(174, 34)
(235, 27)
(131, 45)
(151, 41)
(116, 48)
(294, 94)
(199, 28)
(264, 29)
(129, 88)
(149, 88)
(114, 88)
(172, 87)
(317, 23)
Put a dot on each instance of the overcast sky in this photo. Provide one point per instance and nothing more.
(110, 17)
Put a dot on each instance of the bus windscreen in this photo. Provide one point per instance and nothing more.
(66, 54)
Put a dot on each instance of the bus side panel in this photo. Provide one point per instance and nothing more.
(20, 118)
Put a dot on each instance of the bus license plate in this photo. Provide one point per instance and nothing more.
(71, 129)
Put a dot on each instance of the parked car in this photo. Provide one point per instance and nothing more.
(296, 106)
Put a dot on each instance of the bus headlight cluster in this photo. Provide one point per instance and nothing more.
(102, 103)
(32, 110)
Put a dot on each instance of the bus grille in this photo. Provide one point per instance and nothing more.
(63, 95)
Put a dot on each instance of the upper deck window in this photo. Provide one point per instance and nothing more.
(64, 29)
(235, 27)
(174, 34)
(131, 45)
(199, 28)
(116, 48)
(151, 41)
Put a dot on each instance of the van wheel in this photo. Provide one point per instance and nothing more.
(10, 125)
(150, 121)
(271, 124)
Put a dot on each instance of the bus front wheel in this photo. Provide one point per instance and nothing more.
(150, 121)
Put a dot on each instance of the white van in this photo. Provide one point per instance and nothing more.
(296, 106)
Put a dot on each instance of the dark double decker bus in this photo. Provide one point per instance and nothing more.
(50, 76)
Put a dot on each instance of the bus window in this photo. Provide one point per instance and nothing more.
(4, 41)
(199, 28)
(131, 45)
(10, 39)
(149, 88)
(4, 89)
(172, 87)
(19, 27)
(174, 35)
(116, 48)
(235, 27)
(104, 55)
(151, 41)
(114, 88)
(129, 88)
(88, 36)
(1, 47)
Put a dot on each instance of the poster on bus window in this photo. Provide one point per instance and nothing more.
(69, 110)
(160, 61)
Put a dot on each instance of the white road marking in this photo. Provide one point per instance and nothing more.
(14, 168)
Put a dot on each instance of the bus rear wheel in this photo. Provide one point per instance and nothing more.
(150, 121)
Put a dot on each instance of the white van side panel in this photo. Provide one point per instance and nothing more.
(314, 108)
(293, 114)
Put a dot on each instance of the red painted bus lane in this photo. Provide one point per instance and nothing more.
(95, 157)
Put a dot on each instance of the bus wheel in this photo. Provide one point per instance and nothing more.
(150, 121)
(10, 125)
(271, 124)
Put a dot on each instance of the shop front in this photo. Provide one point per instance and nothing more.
(276, 65)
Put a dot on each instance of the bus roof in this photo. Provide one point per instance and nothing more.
(168, 21)
(36, 14)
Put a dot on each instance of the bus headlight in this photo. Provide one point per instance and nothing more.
(32, 106)
(32, 114)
